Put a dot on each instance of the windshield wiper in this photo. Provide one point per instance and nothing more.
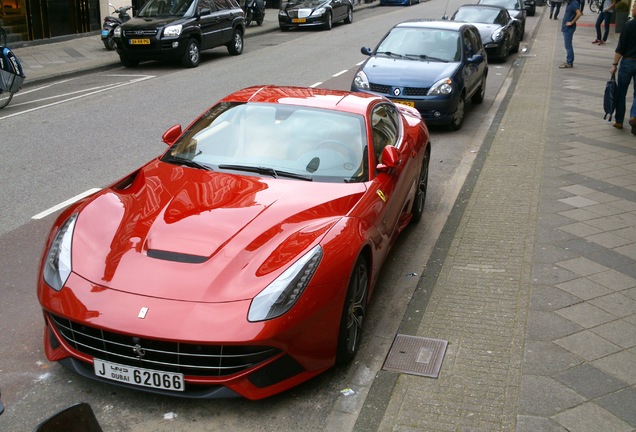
(425, 57)
(267, 171)
(390, 54)
(188, 162)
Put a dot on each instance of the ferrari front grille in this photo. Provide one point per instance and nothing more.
(186, 358)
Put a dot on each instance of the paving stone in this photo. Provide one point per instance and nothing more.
(537, 424)
(589, 381)
(620, 332)
(589, 417)
(582, 266)
(617, 304)
(544, 396)
(587, 345)
(550, 298)
(584, 288)
(548, 326)
(614, 280)
(622, 404)
(586, 315)
(622, 365)
(547, 358)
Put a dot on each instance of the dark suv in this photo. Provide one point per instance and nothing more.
(180, 30)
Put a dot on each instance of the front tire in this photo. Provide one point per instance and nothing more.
(128, 62)
(235, 47)
(109, 43)
(329, 23)
(5, 98)
(458, 116)
(353, 313)
(420, 195)
(192, 55)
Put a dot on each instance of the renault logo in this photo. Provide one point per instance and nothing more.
(396, 91)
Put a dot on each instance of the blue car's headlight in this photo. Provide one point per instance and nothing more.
(441, 87)
(282, 293)
(57, 266)
(361, 81)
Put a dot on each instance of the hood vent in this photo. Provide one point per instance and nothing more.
(176, 257)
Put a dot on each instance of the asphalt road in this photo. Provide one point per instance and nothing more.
(89, 131)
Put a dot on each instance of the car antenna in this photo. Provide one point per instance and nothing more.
(445, 17)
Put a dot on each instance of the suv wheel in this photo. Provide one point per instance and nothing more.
(128, 62)
(235, 47)
(192, 54)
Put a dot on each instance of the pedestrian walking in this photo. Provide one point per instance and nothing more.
(568, 27)
(555, 8)
(625, 54)
(605, 15)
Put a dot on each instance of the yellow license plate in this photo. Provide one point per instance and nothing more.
(299, 20)
(407, 103)
(140, 41)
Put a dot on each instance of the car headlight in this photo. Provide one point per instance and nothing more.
(441, 87)
(282, 13)
(282, 293)
(57, 266)
(117, 32)
(361, 81)
(174, 30)
(319, 12)
(497, 35)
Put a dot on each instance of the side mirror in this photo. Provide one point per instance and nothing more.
(366, 51)
(477, 58)
(171, 135)
(205, 11)
(390, 159)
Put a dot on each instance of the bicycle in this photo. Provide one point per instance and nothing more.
(11, 74)
(595, 5)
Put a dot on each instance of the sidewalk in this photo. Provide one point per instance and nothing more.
(533, 280)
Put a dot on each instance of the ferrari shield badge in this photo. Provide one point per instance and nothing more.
(381, 195)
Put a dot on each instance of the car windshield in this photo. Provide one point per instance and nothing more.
(423, 43)
(276, 140)
(476, 15)
(167, 8)
(508, 4)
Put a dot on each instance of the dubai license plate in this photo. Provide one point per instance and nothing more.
(139, 41)
(138, 376)
(299, 20)
(407, 103)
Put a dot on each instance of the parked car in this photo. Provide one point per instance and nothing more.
(241, 261)
(433, 66)
(314, 13)
(499, 32)
(515, 8)
(398, 2)
(180, 30)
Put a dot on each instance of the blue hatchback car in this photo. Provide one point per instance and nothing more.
(398, 2)
(434, 66)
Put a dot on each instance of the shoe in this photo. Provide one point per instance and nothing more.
(550, 16)
(597, 41)
(632, 123)
(565, 66)
(617, 125)
(601, 42)
(556, 18)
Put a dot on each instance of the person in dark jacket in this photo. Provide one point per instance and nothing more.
(625, 54)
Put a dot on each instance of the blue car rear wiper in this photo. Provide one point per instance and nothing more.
(266, 170)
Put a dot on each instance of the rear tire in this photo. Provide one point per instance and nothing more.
(458, 116)
(349, 18)
(235, 47)
(353, 313)
(479, 95)
(5, 98)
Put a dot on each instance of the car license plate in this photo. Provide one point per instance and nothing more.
(105, 32)
(299, 20)
(407, 103)
(138, 376)
(139, 41)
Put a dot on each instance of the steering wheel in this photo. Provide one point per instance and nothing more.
(339, 147)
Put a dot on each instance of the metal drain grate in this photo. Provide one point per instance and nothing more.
(416, 355)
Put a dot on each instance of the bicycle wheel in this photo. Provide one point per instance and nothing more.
(594, 6)
(5, 98)
(3, 37)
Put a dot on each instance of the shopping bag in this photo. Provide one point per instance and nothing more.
(609, 98)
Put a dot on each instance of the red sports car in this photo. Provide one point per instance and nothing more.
(241, 261)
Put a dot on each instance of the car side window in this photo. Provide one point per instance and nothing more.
(501, 20)
(223, 4)
(476, 41)
(385, 122)
(206, 4)
(469, 46)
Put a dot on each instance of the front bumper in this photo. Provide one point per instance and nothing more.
(288, 22)
(155, 49)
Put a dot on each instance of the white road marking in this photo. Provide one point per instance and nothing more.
(61, 205)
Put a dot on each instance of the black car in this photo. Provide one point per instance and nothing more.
(314, 13)
(433, 66)
(499, 32)
(516, 9)
(180, 30)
